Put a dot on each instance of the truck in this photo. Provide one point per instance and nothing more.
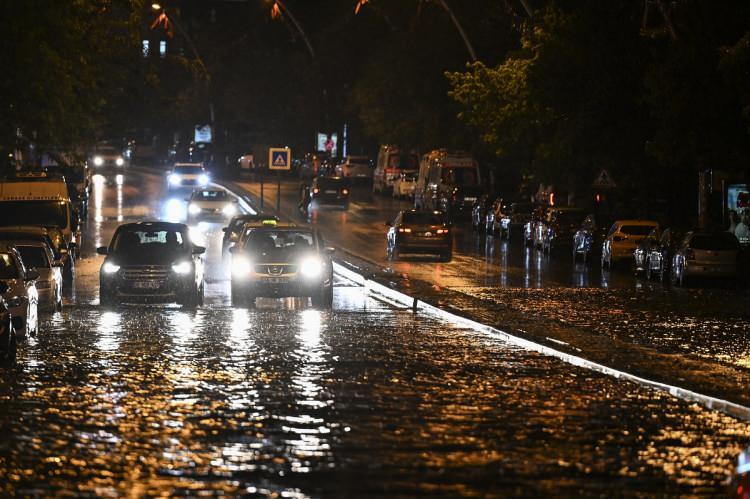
(448, 181)
(42, 200)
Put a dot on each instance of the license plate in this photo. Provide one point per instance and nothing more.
(276, 280)
(427, 234)
(330, 192)
(146, 284)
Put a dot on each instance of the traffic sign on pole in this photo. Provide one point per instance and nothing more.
(279, 158)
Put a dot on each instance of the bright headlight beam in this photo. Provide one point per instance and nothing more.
(119, 161)
(229, 209)
(241, 266)
(174, 179)
(203, 179)
(193, 209)
(311, 267)
(110, 268)
(182, 268)
(98, 161)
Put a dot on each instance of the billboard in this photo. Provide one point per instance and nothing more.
(738, 197)
(328, 142)
(203, 134)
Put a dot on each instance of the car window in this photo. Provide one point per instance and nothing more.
(8, 269)
(143, 241)
(423, 218)
(210, 195)
(34, 256)
(268, 241)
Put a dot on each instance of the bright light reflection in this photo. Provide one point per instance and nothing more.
(198, 233)
(109, 327)
(174, 210)
(119, 179)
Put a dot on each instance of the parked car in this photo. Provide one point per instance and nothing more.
(702, 254)
(589, 238)
(479, 213)
(188, 175)
(659, 259)
(282, 261)
(212, 204)
(38, 256)
(8, 340)
(20, 294)
(329, 191)
(529, 228)
(356, 168)
(234, 228)
(154, 262)
(514, 220)
(419, 231)
(622, 239)
(739, 484)
(405, 184)
(557, 228)
(642, 252)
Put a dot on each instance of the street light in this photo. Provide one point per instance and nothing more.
(156, 6)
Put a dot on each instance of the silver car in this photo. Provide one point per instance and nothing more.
(21, 294)
(702, 254)
(38, 256)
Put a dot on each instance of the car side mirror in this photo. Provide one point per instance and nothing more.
(198, 250)
(102, 250)
(330, 250)
(3, 288)
(31, 275)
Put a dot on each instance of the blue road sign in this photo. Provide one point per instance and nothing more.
(279, 158)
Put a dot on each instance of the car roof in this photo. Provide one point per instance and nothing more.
(25, 229)
(188, 165)
(155, 225)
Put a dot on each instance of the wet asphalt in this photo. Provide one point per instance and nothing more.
(363, 400)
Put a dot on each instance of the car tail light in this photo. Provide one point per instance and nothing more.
(442, 231)
(344, 192)
(316, 190)
(404, 229)
(689, 254)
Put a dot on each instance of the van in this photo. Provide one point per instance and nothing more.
(448, 181)
(42, 200)
(392, 162)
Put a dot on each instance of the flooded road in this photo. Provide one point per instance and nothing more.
(363, 400)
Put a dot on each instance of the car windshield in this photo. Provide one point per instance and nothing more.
(210, 196)
(715, 242)
(188, 170)
(8, 269)
(142, 242)
(34, 256)
(423, 218)
(460, 176)
(636, 230)
(269, 241)
(40, 213)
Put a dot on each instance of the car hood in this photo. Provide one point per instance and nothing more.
(290, 256)
(167, 258)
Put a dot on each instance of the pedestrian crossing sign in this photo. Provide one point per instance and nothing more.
(279, 158)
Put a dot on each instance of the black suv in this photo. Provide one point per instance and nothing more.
(151, 261)
(282, 261)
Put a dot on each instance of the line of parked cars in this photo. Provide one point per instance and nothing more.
(39, 242)
(651, 251)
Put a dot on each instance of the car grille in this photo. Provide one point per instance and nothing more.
(275, 269)
(145, 273)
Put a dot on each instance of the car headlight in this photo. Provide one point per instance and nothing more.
(229, 210)
(182, 268)
(241, 266)
(119, 161)
(110, 268)
(98, 160)
(174, 179)
(311, 267)
(194, 209)
(203, 179)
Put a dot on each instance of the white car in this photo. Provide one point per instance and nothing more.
(38, 256)
(211, 203)
(21, 296)
(356, 168)
(623, 238)
(188, 175)
(107, 155)
(405, 184)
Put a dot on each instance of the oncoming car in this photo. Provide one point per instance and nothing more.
(151, 262)
(20, 294)
(282, 261)
(211, 203)
(188, 175)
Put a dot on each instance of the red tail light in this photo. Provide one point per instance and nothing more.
(404, 229)
(442, 231)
